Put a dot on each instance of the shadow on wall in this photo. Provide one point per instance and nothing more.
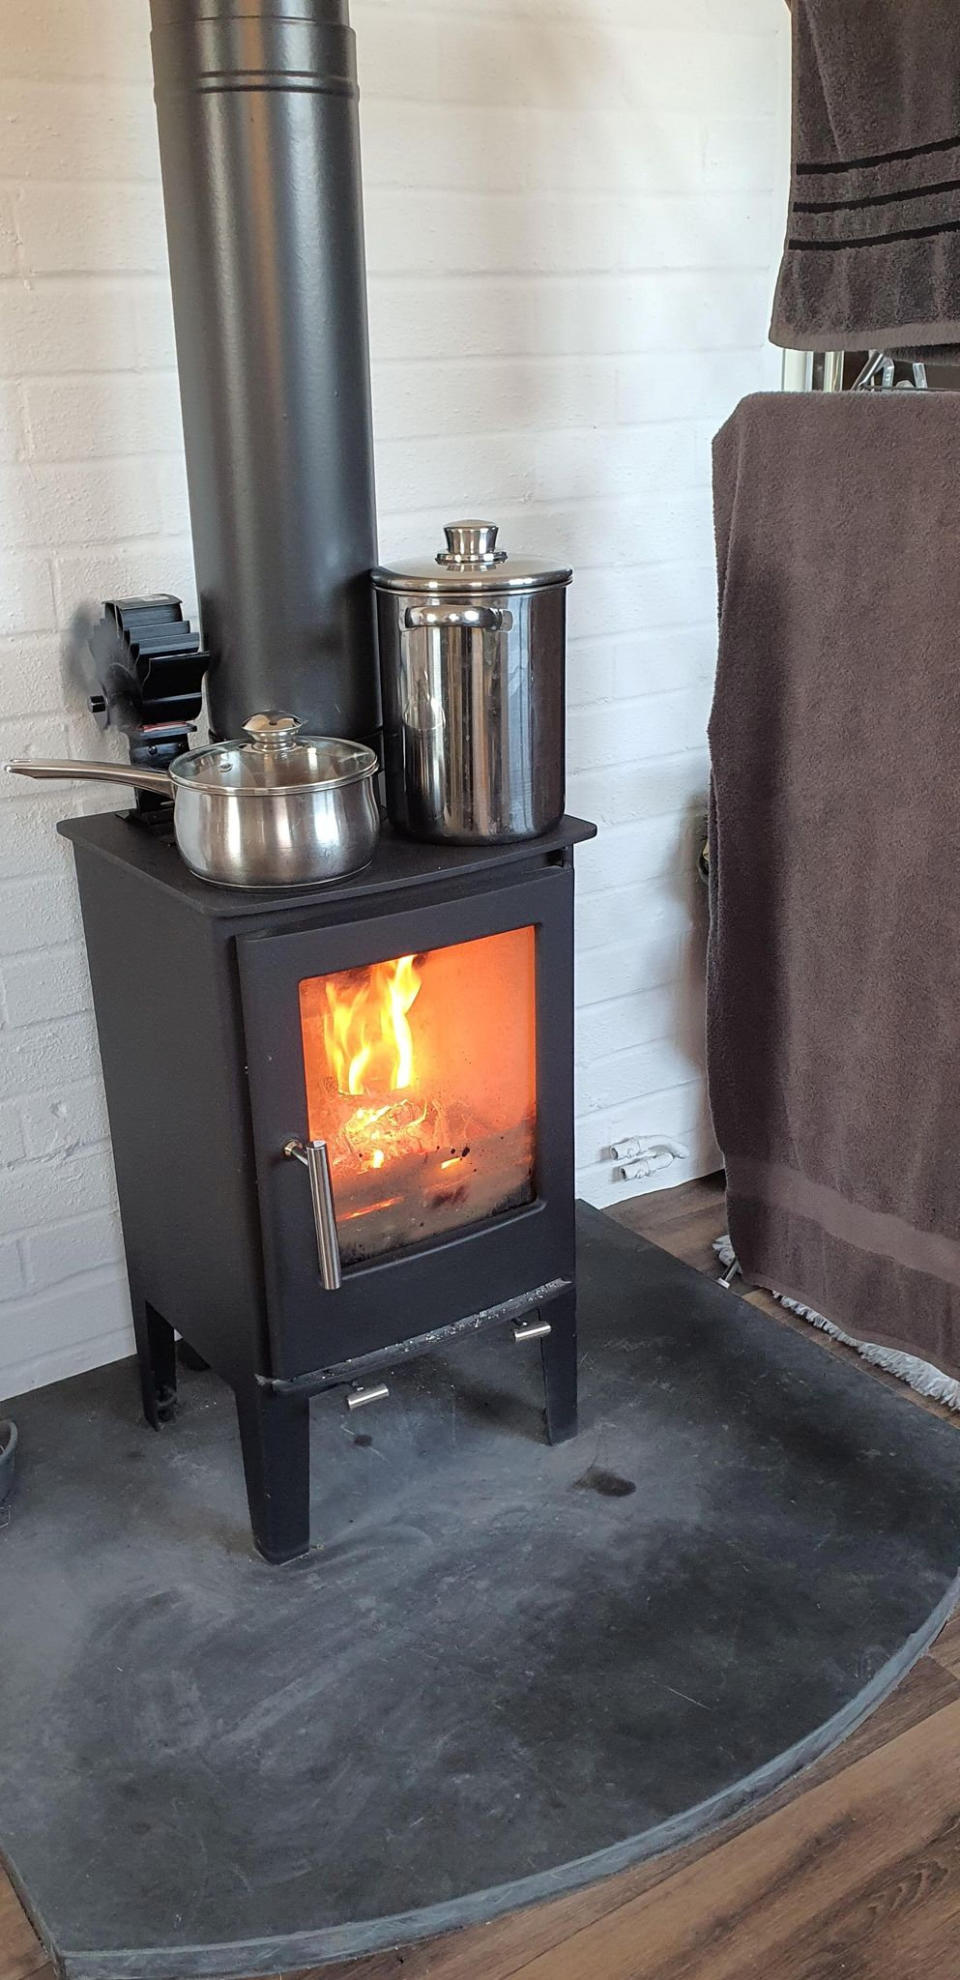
(690, 1008)
(685, 1042)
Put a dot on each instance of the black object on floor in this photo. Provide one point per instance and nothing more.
(505, 1670)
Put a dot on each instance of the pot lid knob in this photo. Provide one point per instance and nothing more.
(471, 543)
(272, 729)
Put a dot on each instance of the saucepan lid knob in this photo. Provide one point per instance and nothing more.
(272, 729)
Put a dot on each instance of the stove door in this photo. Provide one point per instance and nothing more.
(411, 1088)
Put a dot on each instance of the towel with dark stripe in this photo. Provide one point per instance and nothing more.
(872, 256)
(834, 969)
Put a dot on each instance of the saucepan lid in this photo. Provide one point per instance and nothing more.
(471, 562)
(274, 754)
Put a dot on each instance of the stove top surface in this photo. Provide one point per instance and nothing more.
(397, 863)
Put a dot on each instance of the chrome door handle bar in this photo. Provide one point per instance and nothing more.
(316, 1161)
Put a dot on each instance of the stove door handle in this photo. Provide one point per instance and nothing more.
(316, 1161)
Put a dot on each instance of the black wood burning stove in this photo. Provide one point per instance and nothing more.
(417, 1021)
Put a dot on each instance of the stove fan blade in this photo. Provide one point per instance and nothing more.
(148, 669)
(148, 663)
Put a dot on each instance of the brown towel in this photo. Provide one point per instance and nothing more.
(872, 257)
(834, 969)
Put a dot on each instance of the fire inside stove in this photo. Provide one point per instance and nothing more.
(421, 1078)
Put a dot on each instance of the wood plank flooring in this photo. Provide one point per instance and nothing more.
(21, 1955)
(850, 1872)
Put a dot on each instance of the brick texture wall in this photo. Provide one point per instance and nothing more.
(572, 214)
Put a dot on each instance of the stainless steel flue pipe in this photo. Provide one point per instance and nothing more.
(259, 146)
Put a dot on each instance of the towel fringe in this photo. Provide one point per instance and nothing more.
(919, 1375)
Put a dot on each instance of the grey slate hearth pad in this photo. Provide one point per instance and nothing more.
(505, 1670)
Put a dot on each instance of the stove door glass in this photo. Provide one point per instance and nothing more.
(421, 1078)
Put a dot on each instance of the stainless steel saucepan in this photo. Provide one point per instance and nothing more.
(275, 809)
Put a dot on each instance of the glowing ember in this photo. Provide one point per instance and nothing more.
(374, 1133)
(367, 1210)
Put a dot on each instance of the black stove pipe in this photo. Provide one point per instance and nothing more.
(259, 146)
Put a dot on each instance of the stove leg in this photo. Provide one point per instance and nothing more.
(156, 1353)
(559, 1355)
(275, 1440)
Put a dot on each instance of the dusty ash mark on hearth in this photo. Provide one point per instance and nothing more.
(607, 1483)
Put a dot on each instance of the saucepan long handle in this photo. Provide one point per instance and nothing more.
(95, 773)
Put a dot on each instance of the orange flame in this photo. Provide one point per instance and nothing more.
(366, 1033)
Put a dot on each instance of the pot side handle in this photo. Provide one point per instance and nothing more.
(95, 773)
(469, 618)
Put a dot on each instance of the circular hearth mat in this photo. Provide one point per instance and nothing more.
(506, 1670)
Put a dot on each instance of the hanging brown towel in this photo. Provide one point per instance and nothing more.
(872, 255)
(834, 968)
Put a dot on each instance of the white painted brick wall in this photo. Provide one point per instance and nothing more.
(572, 208)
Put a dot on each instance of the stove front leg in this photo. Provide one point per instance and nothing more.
(559, 1355)
(157, 1356)
(275, 1441)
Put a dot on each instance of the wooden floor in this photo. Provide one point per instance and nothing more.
(851, 1872)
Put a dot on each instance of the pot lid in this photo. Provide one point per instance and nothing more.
(470, 562)
(274, 755)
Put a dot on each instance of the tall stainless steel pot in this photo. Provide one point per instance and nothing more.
(472, 675)
(275, 809)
